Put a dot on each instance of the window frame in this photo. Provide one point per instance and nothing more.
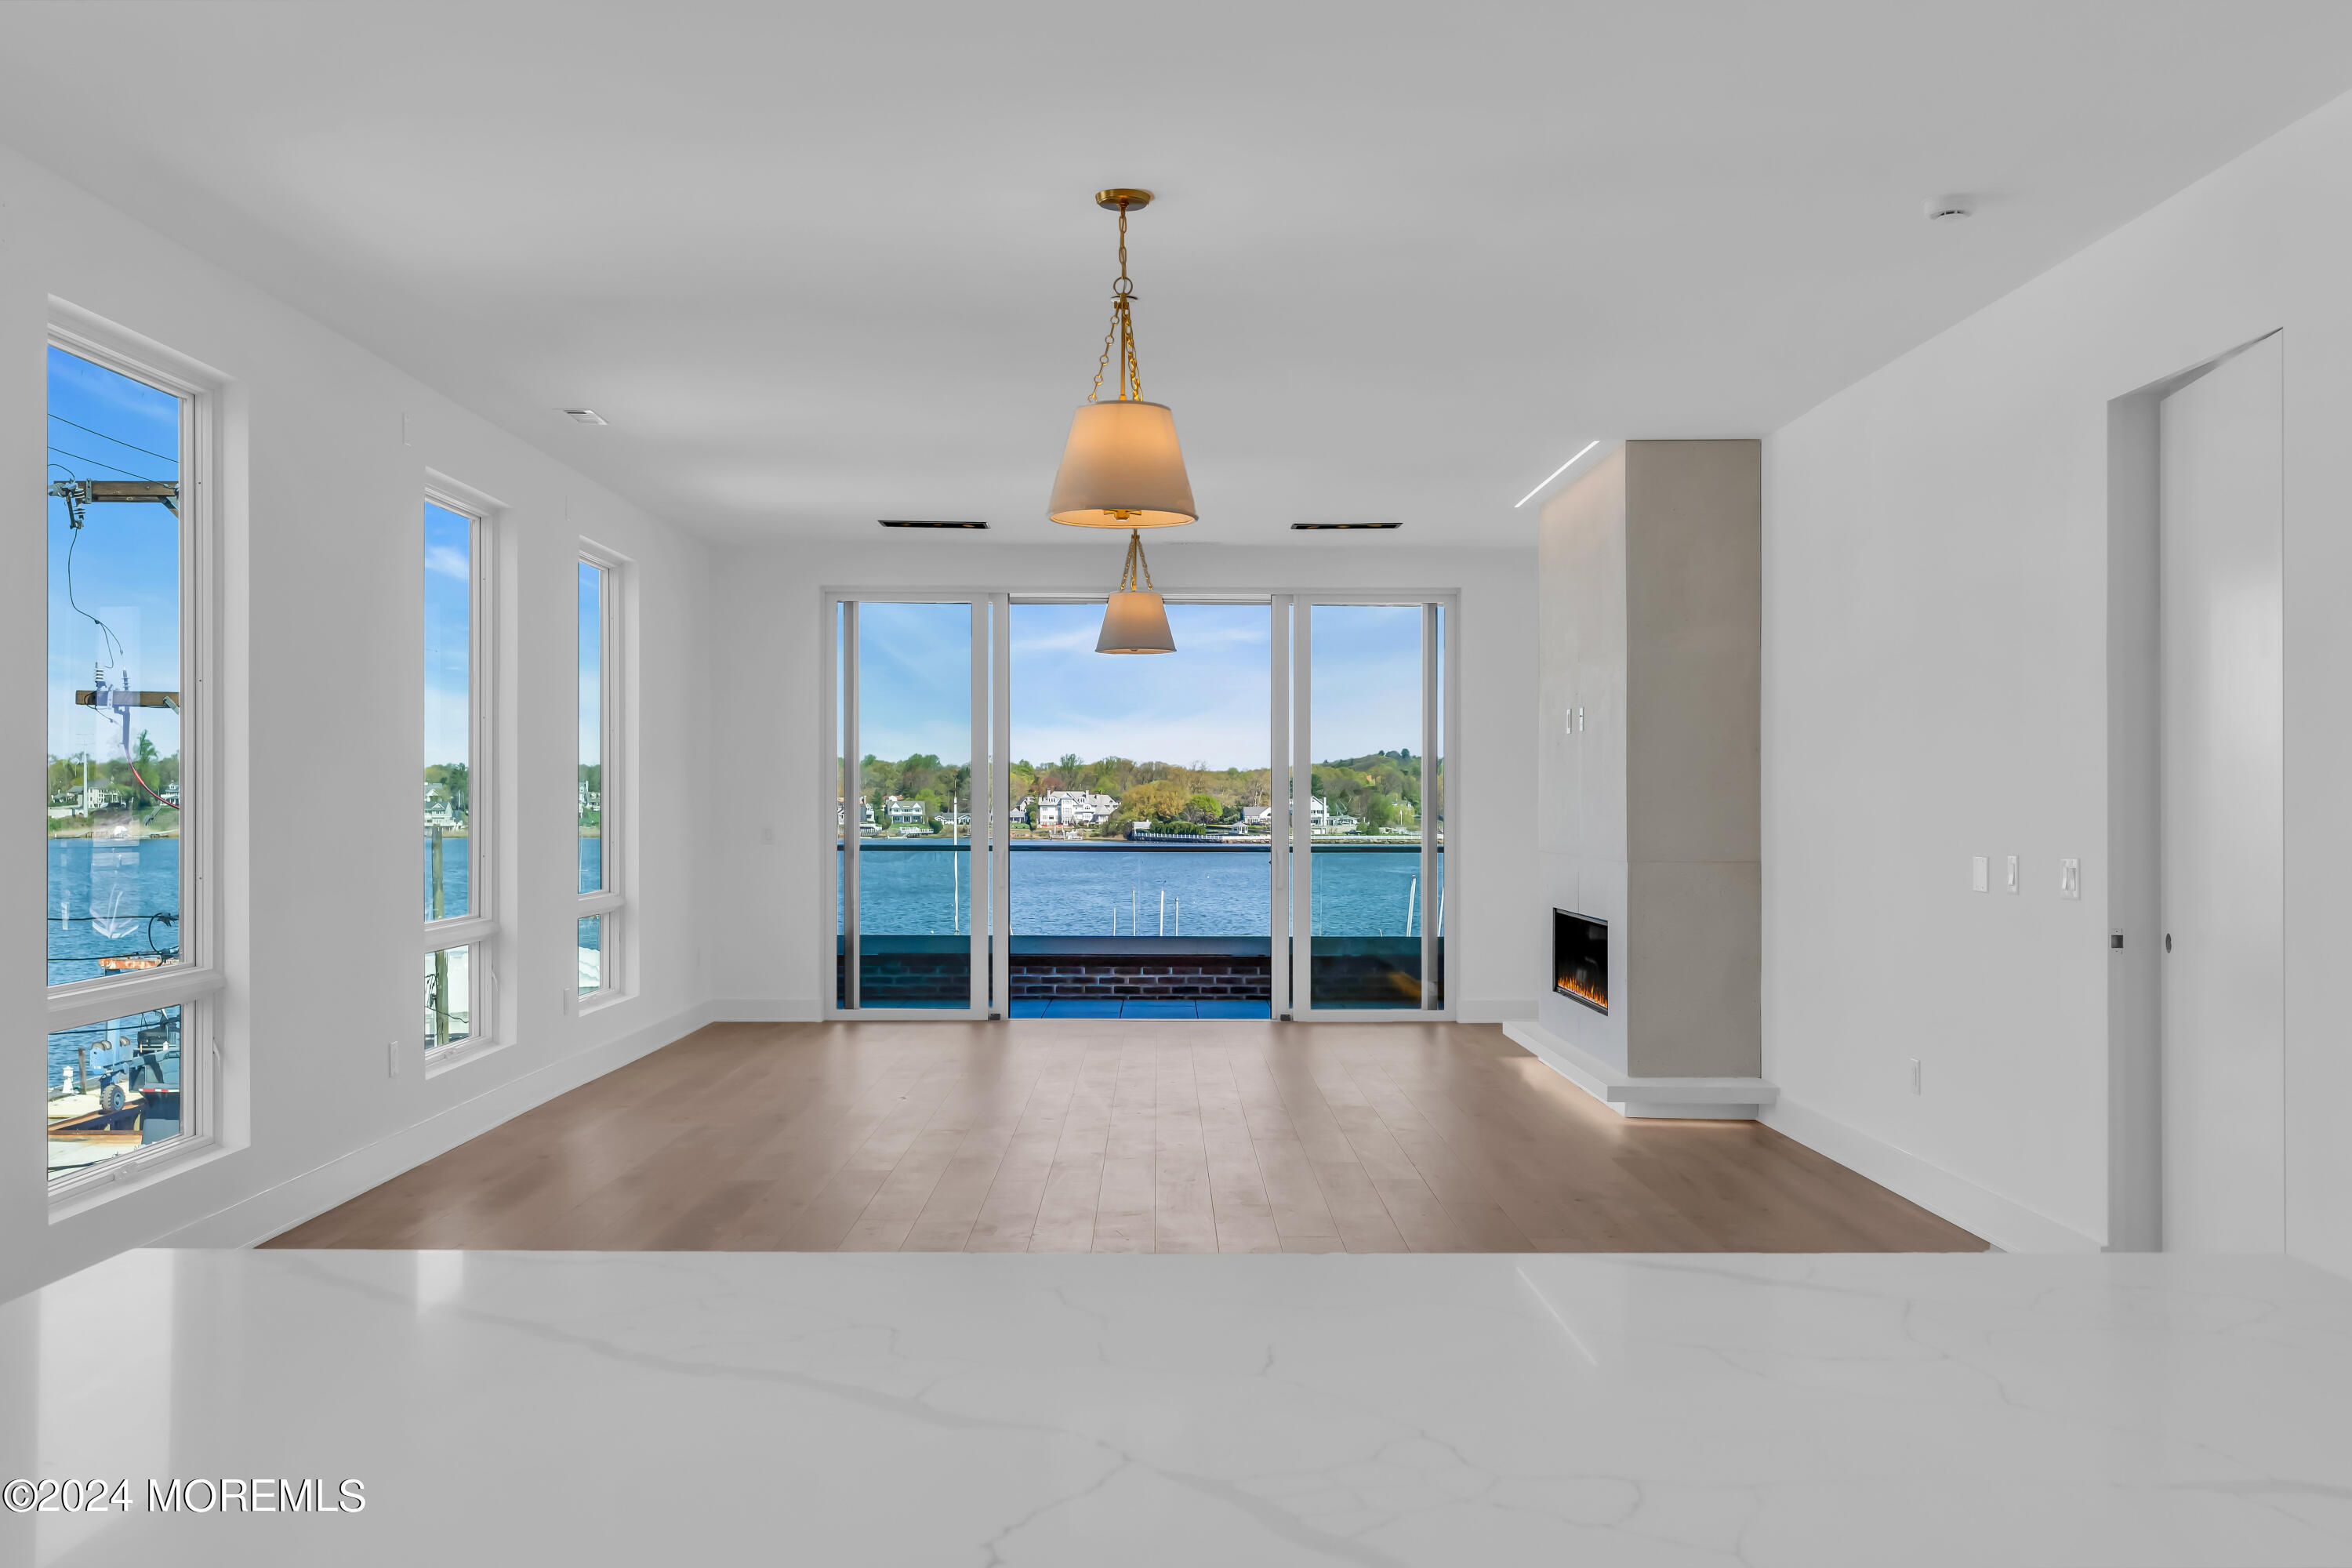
(190, 985)
(609, 903)
(478, 929)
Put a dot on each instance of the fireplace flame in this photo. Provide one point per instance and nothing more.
(1577, 985)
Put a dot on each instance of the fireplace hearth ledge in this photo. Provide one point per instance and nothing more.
(1713, 1099)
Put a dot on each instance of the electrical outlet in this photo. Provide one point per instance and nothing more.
(1915, 1075)
(1979, 873)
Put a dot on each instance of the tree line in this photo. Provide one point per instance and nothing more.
(1380, 790)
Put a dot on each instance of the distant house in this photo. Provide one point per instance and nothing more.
(904, 812)
(1075, 808)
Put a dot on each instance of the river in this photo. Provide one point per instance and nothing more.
(910, 887)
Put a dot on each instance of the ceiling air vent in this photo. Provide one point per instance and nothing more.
(919, 522)
(586, 416)
(1319, 527)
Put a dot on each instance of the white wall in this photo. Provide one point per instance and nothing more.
(321, 694)
(771, 960)
(1937, 686)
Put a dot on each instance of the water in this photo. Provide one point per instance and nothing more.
(102, 893)
(456, 885)
(107, 889)
(910, 890)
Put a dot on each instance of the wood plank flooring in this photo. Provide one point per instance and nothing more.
(1048, 1136)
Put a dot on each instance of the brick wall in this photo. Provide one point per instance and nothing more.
(1382, 972)
(896, 979)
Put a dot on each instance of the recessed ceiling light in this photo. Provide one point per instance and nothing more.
(913, 523)
(1949, 209)
(1317, 527)
(1553, 475)
(586, 416)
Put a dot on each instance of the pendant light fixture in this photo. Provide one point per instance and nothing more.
(1136, 621)
(1122, 467)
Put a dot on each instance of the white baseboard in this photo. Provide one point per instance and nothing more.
(2007, 1224)
(764, 1010)
(254, 1220)
(1711, 1098)
(1494, 1012)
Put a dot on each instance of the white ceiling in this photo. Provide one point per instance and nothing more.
(822, 265)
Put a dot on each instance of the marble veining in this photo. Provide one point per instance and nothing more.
(900, 1408)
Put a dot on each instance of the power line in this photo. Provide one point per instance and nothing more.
(126, 473)
(116, 439)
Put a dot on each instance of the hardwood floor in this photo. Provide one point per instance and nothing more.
(1117, 1137)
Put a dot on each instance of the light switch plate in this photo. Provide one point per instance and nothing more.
(2070, 878)
(2014, 886)
(1979, 873)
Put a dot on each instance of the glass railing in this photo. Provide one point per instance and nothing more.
(1082, 910)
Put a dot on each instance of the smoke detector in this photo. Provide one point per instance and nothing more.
(1949, 209)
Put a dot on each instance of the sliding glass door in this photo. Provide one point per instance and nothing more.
(1021, 827)
(1369, 743)
(909, 720)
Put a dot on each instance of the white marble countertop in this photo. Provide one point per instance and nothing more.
(835, 1409)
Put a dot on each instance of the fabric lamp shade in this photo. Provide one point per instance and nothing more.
(1136, 623)
(1122, 468)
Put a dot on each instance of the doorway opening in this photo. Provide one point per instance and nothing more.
(2195, 744)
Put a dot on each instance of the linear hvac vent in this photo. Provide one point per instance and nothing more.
(913, 523)
(1319, 527)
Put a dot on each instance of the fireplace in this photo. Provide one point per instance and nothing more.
(1579, 958)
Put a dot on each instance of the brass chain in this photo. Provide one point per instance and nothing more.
(1136, 576)
(1122, 328)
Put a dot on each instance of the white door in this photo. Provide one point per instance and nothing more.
(2223, 992)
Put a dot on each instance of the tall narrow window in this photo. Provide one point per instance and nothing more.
(126, 951)
(448, 709)
(459, 902)
(597, 920)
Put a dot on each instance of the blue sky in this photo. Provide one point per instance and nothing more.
(592, 663)
(126, 565)
(448, 639)
(1205, 703)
